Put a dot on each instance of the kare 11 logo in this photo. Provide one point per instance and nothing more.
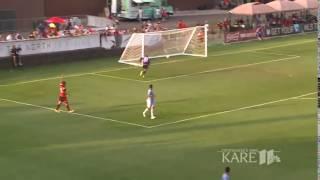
(250, 156)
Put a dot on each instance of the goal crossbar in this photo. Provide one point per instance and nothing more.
(188, 41)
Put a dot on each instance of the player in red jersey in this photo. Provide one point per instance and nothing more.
(63, 99)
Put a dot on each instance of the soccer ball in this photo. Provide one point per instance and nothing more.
(167, 57)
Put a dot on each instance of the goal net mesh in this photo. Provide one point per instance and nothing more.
(189, 41)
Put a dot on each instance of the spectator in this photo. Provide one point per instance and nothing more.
(69, 25)
(158, 13)
(220, 28)
(248, 25)
(32, 35)
(16, 61)
(181, 24)
(9, 37)
(18, 37)
(42, 30)
(157, 26)
(140, 14)
(226, 24)
(226, 4)
(164, 14)
(259, 32)
(226, 174)
(134, 30)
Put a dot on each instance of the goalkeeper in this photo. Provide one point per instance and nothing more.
(145, 62)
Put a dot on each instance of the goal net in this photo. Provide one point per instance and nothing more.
(189, 41)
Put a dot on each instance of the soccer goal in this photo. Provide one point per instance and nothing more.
(189, 41)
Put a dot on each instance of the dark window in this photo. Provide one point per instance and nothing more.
(7, 20)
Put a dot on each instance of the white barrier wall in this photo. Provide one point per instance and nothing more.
(109, 42)
(95, 21)
(51, 45)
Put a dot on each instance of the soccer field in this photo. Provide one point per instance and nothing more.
(259, 95)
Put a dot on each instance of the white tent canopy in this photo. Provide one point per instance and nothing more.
(143, 1)
(250, 9)
(285, 5)
(308, 4)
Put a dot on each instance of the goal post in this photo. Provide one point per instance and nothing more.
(188, 41)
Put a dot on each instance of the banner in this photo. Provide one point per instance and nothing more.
(231, 37)
(275, 31)
(51, 45)
(240, 36)
(296, 28)
(287, 30)
(310, 27)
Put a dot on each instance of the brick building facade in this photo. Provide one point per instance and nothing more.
(192, 4)
(41, 8)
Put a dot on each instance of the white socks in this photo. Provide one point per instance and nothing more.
(145, 111)
(151, 111)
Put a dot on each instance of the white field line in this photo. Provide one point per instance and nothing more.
(74, 113)
(43, 79)
(135, 67)
(117, 77)
(223, 69)
(265, 48)
(308, 98)
(275, 53)
(203, 72)
(167, 62)
(230, 111)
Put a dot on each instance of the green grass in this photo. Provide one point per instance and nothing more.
(185, 140)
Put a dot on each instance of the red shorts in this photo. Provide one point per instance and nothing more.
(63, 99)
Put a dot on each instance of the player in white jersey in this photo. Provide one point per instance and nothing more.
(145, 62)
(226, 174)
(150, 102)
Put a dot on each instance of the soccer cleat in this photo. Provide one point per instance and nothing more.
(71, 111)
(153, 117)
(57, 110)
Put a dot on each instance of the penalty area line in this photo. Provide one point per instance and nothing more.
(275, 53)
(75, 113)
(264, 48)
(232, 110)
(225, 68)
(290, 57)
(117, 77)
(98, 73)
(307, 98)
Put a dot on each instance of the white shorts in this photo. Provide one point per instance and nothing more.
(150, 103)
